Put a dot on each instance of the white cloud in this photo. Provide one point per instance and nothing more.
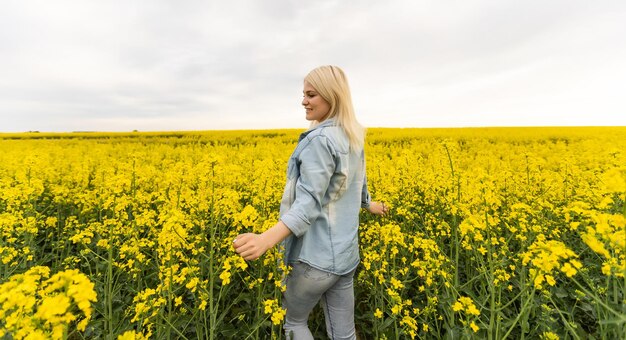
(159, 65)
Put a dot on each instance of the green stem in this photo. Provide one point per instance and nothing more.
(256, 328)
(619, 315)
(211, 256)
(455, 227)
(492, 293)
(259, 298)
(565, 321)
(174, 328)
(169, 295)
(520, 315)
(109, 298)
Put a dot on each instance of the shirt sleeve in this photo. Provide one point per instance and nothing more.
(365, 194)
(317, 165)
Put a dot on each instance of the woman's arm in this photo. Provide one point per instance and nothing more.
(250, 246)
(316, 169)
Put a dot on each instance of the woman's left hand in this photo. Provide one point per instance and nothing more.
(378, 208)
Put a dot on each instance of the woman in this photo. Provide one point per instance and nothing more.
(319, 213)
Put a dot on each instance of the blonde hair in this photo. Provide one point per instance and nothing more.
(331, 83)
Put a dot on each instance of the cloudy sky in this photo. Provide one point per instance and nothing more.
(238, 64)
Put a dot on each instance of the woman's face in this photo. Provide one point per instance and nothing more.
(316, 107)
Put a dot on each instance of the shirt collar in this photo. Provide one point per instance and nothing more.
(327, 122)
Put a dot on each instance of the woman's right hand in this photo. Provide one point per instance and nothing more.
(250, 246)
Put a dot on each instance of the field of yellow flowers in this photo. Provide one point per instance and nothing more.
(494, 233)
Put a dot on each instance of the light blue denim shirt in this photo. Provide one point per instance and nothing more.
(326, 188)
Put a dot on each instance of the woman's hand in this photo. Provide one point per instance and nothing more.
(250, 246)
(378, 208)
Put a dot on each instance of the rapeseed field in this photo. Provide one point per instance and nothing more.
(494, 233)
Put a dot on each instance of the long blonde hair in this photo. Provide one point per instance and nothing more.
(331, 83)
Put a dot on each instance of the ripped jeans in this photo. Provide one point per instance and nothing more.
(306, 286)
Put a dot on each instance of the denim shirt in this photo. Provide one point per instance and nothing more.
(326, 188)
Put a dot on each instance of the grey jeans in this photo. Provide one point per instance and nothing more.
(306, 286)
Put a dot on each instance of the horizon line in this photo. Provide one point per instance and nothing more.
(302, 128)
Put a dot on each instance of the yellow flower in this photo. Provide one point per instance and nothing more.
(53, 307)
(549, 336)
(278, 316)
(128, 335)
(569, 270)
(192, 284)
(595, 244)
(378, 313)
(277, 313)
(466, 304)
(131, 335)
(396, 283)
(472, 310)
(225, 277)
(269, 304)
(33, 304)
(539, 279)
